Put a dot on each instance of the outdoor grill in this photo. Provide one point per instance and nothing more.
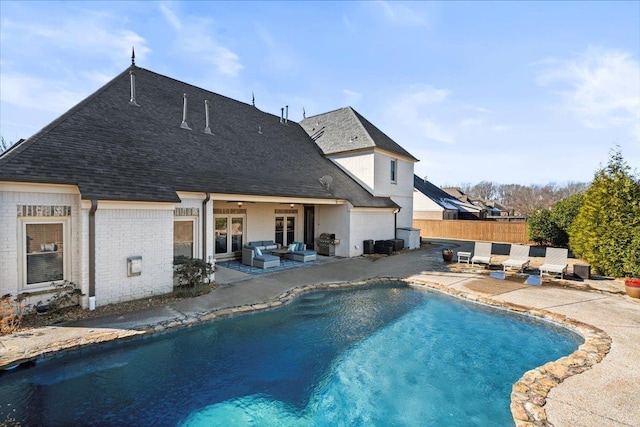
(327, 244)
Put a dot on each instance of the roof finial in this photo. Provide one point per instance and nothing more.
(304, 113)
(133, 56)
(253, 99)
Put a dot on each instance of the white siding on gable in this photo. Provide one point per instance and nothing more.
(423, 203)
(425, 208)
(123, 233)
(360, 166)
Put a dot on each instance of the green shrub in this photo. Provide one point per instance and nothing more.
(541, 228)
(563, 214)
(192, 271)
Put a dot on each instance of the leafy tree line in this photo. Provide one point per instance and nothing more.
(601, 225)
(523, 199)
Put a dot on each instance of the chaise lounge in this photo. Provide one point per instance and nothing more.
(555, 261)
(518, 258)
(481, 253)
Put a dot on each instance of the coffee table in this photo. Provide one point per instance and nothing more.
(280, 252)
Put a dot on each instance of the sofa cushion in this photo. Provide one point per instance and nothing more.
(266, 258)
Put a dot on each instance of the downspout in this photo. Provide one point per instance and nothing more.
(395, 222)
(92, 254)
(204, 226)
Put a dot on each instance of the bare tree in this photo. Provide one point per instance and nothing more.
(4, 144)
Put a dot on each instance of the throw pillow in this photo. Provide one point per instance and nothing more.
(292, 247)
(258, 252)
(300, 246)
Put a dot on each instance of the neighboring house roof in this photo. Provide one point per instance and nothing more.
(434, 193)
(346, 130)
(457, 193)
(116, 151)
(441, 197)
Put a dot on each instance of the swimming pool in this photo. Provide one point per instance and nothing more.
(382, 355)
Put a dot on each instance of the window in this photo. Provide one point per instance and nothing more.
(183, 238)
(394, 170)
(45, 252)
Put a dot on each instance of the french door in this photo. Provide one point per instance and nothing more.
(228, 233)
(285, 229)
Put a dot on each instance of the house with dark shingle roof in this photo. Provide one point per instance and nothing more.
(368, 155)
(149, 167)
(433, 202)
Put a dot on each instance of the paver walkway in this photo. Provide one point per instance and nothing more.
(607, 395)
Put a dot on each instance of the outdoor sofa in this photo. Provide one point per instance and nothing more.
(298, 252)
(258, 254)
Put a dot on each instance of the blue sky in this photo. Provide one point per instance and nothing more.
(510, 92)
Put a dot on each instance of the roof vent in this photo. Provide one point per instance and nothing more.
(184, 124)
(132, 101)
(326, 181)
(207, 129)
(286, 117)
(260, 130)
(281, 115)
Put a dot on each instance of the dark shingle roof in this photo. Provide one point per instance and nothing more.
(116, 151)
(435, 193)
(346, 130)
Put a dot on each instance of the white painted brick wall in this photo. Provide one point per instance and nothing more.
(9, 223)
(369, 225)
(122, 233)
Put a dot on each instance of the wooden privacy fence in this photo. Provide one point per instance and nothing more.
(488, 231)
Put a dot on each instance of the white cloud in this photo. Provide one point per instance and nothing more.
(400, 14)
(471, 122)
(193, 39)
(171, 17)
(351, 97)
(40, 94)
(91, 34)
(416, 109)
(278, 57)
(600, 88)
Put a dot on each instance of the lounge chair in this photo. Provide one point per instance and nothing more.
(555, 261)
(518, 258)
(481, 253)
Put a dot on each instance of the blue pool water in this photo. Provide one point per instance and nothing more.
(384, 355)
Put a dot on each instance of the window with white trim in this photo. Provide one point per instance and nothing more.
(184, 238)
(394, 170)
(44, 251)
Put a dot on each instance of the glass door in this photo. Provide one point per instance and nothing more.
(221, 234)
(225, 226)
(285, 230)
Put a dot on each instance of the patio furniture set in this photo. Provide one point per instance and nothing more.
(267, 253)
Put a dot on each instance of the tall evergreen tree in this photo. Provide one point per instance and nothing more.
(603, 232)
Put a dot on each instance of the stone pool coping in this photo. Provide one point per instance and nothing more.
(528, 395)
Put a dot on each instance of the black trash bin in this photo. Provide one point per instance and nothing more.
(367, 247)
